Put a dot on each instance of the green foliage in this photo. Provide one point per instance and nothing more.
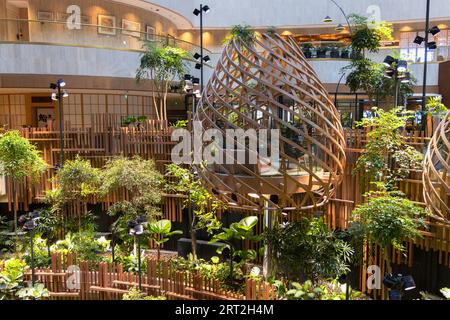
(41, 253)
(387, 220)
(435, 107)
(368, 35)
(130, 261)
(308, 249)
(365, 75)
(135, 294)
(446, 293)
(179, 124)
(242, 230)
(11, 277)
(38, 292)
(77, 181)
(162, 65)
(133, 120)
(244, 32)
(161, 231)
(84, 244)
(387, 158)
(19, 158)
(142, 180)
(325, 290)
(205, 206)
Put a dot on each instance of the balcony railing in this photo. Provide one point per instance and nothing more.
(88, 35)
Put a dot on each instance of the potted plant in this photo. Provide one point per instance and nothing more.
(334, 52)
(322, 52)
(306, 48)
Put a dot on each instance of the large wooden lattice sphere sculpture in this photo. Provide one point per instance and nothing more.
(268, 84)
(436, 172)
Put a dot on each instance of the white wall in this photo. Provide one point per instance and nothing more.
(68, 60)
(225, 13)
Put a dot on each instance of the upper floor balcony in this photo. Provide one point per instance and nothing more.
(52, 47)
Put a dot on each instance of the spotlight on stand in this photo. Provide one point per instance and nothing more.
(388, 61)
(435, 30)
(402, 65)
(432, 45)
(197, 56)
(196, 12)
(206, 9)
(419, 40)
(397, 284)
(198, 66)
(206, 58)
(61, 83)
(406, 78)
(196, 80)
(136, 229)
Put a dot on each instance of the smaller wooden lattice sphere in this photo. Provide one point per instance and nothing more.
(436, 172)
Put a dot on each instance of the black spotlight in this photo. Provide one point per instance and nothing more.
(206, 9)
(187, 77)
(419, 40)
(408, 283)
(432, 45)
(53, 86)
(197, 56)
(402, 66)
(206, 58)
(392, 281)
(406, 78)
(196, 12)
(198, 66)
(196, 80)
(435, 30)
(388, 61)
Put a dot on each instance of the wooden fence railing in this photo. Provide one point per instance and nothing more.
(69, 279)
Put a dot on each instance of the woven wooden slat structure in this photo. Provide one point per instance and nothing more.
(436, 172)
(268, 84)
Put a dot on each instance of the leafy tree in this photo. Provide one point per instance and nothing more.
(307, 249)
(387, 220)
(387, 158)
(242, 230)
(19, 159)
(76, 181)
(161, 231)
(142, 182)
(205, 206)
(162, 65)
(367, 36)
(244, 32)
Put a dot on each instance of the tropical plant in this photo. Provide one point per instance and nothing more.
(11, 277)
(19, 159)
(325, 290)
(204, 205)
(141, 179)
(36, 292)
(243, 32)
(135, 294)
(387, 158)
(162, 65)
(307, 249)
(435, 107)
(242, 230)
(386, 220)
(446, 293)
(161, 231)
